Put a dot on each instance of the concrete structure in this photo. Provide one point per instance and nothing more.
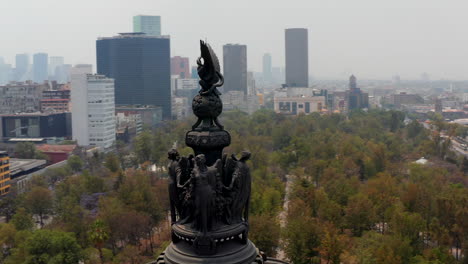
(4, 173)
(129, 125)
(180, 107)
(150, 116)
(150, 25)
(180, 66)
(237, 100)
(140, 66)
(404, 98)
(94, 121)
(40, 67)
(297, 57)
(299, 105)
(56, 101)
(35, 125)
(235, 68)
(18, 97)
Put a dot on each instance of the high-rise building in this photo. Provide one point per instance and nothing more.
(356, 99)
(5, 72)
(297, 57)
(267, 74)
(180, 66)
(235, 67)
(150, 25)
(4, 173)
(22, 67)
(55, 67)
(40, 67)
(93, 122)
(141, 68)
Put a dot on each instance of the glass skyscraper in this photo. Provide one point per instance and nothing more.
(297, 57)
(141, 68)
(150, 25)
(235, 68)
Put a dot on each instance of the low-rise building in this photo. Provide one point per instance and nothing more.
(57, 101)
(299, 105)
(35, 125)
(21, 97)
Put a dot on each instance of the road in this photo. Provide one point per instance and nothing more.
(280, 254)
(456, 144)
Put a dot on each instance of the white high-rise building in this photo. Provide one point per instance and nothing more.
(93, 110)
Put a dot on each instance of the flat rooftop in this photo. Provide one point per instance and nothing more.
(23, 165)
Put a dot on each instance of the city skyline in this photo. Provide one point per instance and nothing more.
(373, 40)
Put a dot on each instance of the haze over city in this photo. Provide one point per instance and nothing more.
(373, 39)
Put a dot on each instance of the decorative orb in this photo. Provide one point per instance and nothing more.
(206, 106)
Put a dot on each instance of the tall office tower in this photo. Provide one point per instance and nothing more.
(297, 57)
(235, 67)
(93, 111)
(22, 67)
(180, 67)
(141, 68)
(40, 67)
(150, 25)
(267, 74)
(55, 65)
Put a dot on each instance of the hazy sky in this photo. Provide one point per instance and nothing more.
(370, 38)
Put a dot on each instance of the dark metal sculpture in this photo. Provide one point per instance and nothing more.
(209, 192)
(207, 105)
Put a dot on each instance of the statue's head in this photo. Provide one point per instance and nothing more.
(200, 160)
(173, 154)
(245, 155)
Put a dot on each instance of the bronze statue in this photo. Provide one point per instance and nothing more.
(204, 184)
(239, 190)
(207, 105)
(174, 157)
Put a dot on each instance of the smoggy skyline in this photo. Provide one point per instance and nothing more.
(372, 39)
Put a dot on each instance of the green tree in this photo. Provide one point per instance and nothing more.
(22, 220)
(360, 214)
(53, 247)
(98, 235)
(265, 233)
(75, 163)
(39, 202)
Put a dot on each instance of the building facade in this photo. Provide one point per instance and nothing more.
(141, 68)
(297, 57)
(93, 123)
(35, 125)
(235, 68)
(41, 67)
(57, 101)
(4, 173)
(180, 67)
(19, 97)
(150, 25)
(299, 105)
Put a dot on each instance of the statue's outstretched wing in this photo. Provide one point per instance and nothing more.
(183, 171)
(228, 170)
